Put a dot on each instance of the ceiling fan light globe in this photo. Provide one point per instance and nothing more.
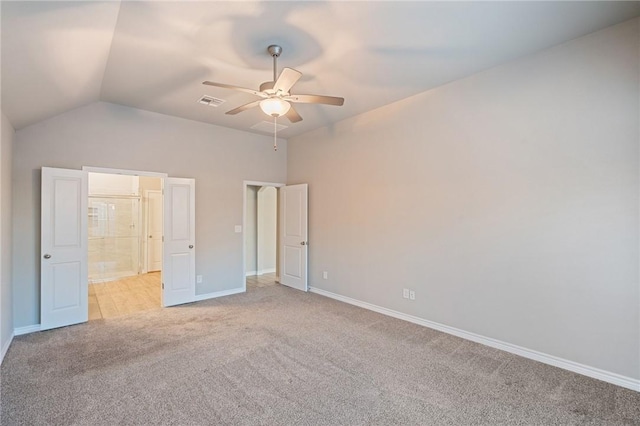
(275, 107)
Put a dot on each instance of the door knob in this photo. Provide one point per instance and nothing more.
(47, 256)
(303, 243)
(150, 236)
(191, 246)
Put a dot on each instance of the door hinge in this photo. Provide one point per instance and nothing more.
(163, 286)
(163, 238)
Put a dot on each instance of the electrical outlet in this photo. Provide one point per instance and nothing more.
(325, 275)
(412, 295)
(405, 293)
(237, 229)
(199, 279)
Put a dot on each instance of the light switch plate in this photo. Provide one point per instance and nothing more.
(238, 229)
(199, 279)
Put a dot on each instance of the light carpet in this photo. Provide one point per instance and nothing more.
(277, 356)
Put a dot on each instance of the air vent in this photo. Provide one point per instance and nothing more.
(211, 101)
(267, 126)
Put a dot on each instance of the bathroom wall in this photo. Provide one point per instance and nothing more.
(115, 226)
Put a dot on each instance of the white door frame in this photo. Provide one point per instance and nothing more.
(145, 268)
(142, 265)
(112, 171)
(245, 184)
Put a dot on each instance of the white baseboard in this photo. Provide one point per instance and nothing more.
(596, 373)
(215, 294)
(5, 348)
(262, 272)
(19, 331)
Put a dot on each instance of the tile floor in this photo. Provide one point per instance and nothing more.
(124, 296)
(264, 280)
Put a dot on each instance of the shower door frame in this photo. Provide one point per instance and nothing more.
(138, 268)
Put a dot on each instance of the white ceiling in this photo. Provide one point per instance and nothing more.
(57, 56)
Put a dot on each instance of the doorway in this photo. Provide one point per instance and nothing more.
(292, 245)
(261, 236)
(124, 259)
(260, 261)
(64, 240)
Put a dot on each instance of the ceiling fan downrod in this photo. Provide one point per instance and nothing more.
(275, 51)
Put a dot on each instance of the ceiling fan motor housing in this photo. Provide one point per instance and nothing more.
(267, 85)
(274, 50)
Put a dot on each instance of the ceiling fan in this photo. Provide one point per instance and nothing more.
(276, 97)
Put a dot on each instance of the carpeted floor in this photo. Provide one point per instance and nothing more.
(277, 356)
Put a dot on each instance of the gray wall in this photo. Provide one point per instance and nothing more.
(251, 231)
(107, 135)
(507, 200)
(267, 218)
(6, 289)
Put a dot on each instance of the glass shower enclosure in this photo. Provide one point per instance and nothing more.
(114, 237)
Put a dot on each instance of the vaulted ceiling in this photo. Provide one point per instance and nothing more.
(154, 55)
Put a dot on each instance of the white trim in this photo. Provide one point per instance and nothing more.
(257, 183)
(215, 294)
(246, 183)
(144, 269)
(123, 172)
(596, 373)
(145, 237)
(5, 348)
(264, 271)
(19, 331)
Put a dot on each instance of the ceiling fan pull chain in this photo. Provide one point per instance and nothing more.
(275, 136)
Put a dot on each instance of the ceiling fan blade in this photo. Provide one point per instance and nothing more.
(315, 99)
(243, 107)
(288, 77)
(241, 89)
(293, 115)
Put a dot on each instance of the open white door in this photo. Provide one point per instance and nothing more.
(64, 296)
(179, 259)
(293, 236)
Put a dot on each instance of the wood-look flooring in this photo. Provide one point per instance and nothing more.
(141, 293)
(264, 280)
(124, 296)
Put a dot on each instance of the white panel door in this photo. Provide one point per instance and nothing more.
(293, 236)
(179, 266)
(154, 237)
(64, 296)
